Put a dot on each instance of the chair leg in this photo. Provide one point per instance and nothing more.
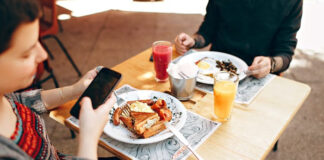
(275, 147)
(48, 51)
(49, 69)
(72, 134)
(54, 80)
(60, 25)
(67, 54)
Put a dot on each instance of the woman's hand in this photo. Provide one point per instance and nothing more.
(58, 96)
(260, 67)
(183, 42)
(84, 82)
(91, 124)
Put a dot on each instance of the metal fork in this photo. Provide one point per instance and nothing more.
(125, 109)
(183, 75)
(248, 72)
(120, 101)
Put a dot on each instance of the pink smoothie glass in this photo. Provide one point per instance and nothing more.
(162, 53)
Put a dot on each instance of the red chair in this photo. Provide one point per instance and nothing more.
(49, 27)
(45, 66)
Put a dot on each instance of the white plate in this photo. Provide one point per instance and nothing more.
(237, 62)
(121, 133)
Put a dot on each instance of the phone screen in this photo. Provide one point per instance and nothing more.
(98, 90)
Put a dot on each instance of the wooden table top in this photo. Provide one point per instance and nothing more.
(252, 130)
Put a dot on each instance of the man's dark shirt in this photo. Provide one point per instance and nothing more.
(250, 28)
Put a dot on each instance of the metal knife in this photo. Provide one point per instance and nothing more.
(182, 139)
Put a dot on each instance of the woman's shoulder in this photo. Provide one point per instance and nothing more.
(32, 99)
(9, 150)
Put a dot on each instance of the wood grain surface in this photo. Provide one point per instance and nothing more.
(252, 130)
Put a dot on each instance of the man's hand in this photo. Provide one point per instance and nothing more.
(91, 124)
(260, 67)
(183, 42)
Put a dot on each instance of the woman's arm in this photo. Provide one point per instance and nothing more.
(91, 124)
(58, 96)
(55, 97)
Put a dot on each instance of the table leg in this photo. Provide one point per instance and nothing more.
(275, 147)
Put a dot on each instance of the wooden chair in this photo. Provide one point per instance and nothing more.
(49, 27)
(45, 66)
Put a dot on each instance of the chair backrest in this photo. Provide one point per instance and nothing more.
(48, 22)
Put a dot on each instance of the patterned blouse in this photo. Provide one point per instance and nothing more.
(30, 134)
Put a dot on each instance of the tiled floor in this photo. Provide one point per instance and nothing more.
(110, 37)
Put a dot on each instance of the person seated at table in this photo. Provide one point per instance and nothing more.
(22, 130)
(261, 32)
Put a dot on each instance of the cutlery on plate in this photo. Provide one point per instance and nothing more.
(248, 72)
(182, 139)
(183, 75)
(120, 101)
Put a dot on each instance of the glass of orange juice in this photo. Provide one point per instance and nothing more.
(225, 87)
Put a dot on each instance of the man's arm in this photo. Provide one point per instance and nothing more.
(200, 41)
(284, 42)
(207, 29)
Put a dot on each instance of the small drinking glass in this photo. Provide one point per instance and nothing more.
(162, 54)
(225, 88)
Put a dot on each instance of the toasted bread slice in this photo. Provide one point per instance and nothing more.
(147, 101)
(143, 120)
(155, 129)
(128, 122)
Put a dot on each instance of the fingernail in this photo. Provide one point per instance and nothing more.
(98, 68)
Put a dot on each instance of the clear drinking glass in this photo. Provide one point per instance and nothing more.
(162, 55)
(225, 88)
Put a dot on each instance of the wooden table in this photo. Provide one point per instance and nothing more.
(252, 131)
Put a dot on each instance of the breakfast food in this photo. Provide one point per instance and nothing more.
(226, 66)
(209, 66)
(145, 118)
(116, 116)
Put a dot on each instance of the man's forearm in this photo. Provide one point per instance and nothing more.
(281, 64)
(200, 41)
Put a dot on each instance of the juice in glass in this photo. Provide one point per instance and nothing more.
(162, 53)
(225, 87)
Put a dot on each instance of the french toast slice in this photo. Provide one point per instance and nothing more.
(155, 129)
(143, 121)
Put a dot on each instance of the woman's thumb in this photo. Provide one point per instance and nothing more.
(86, 104)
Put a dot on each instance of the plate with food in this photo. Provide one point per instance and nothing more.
(210, 62)
(140, 120)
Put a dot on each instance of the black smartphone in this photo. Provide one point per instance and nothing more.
(99, 89)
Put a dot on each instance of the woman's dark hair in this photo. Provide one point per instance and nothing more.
(12, 14)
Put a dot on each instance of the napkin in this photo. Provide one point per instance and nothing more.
(189, 69)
